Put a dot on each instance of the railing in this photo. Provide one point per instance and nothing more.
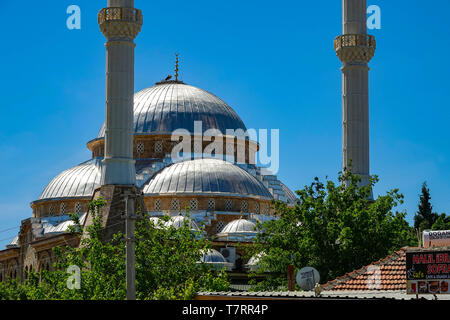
(120, 14)
(354, 40)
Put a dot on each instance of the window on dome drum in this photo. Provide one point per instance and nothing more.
(256, 207)
(158, 147)
(140, 147)
(219, 226)
(211, 205)
(244, 206)
(63, 208)
(175, 205)
(266, 209)
(77, 208)
(50, 210)
(228, 205)
(157, 205)
(193, 204)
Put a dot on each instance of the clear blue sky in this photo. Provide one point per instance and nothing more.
(273, 62)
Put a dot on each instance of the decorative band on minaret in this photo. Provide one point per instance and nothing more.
(355, 48)
(120, 22)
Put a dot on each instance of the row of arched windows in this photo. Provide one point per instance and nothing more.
(55, 209)
(211, 205)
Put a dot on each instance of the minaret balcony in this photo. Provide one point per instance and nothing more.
(120, 22)
(355, 47)
(120, 14)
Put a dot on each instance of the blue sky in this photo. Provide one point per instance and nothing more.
(273, 62)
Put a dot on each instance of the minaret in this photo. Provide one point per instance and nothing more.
(355, 48)
(120, 22)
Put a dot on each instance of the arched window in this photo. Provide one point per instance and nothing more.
(244, 206)
(219, 226)
(256, 207)
(157, 205)
(77, 208)
(158, 147)
(63, 208)
(175, 205)
(193, 204)
(140, 148)
(211, 205)
(228, 205)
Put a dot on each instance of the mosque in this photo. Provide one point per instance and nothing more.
(227, 197)
(133, 153)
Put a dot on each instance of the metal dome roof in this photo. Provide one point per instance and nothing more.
(206, 176)
(213, 256)
(291, 197)
(177, 222)
(254, 260)
(79, 181)
(171, 105)
(239, 226)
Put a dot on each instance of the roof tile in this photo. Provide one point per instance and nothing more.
(392, 275)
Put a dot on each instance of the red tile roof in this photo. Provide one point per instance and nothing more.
(386, 274)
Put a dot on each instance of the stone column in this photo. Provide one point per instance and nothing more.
(355, 48)
(120, 22)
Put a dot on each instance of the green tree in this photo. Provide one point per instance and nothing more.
(166, 265)
(424, 218)
(441, 223)
(334, 228)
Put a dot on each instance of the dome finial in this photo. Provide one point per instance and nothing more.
(176, 66)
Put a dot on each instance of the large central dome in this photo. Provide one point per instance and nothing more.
(171, 105)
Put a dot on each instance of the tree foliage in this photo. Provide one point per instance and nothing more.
(441, 223)
(334, 228)
(425, 217)
(166, 265)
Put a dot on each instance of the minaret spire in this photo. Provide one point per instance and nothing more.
(176, 66)
(355, 48)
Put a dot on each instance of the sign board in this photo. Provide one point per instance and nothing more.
(307, 278)
(428, 272)
(438, 238)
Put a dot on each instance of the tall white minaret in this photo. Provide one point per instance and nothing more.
(355, 48)
(120, 22)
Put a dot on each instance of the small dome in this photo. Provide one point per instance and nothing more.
(215, 260)
(239, 226)
(213, 256)
(254, 260)
(157, 222)
(206, 177)
(168, 106)
(291, 197)
(79, 181)
(178, 221)
(253, 263)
